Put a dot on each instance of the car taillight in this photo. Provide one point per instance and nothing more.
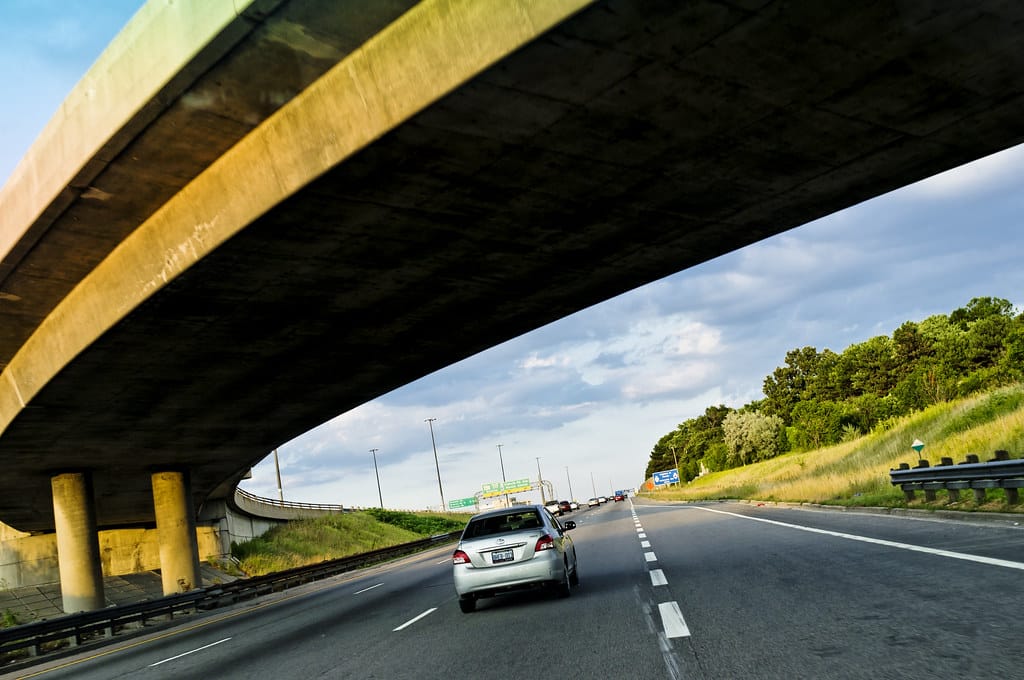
(460, 557)
(545, 542)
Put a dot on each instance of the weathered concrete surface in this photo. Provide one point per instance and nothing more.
(78, 550)
(176, 531)
(32, 560)
(427, 198)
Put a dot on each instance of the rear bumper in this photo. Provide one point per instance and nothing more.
(546, 567)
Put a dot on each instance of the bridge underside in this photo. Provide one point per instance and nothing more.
(633, 141)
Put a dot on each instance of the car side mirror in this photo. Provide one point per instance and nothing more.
(568, 524)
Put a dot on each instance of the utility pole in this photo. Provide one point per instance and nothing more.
(540, 482)
(676, 460)
(569, 481)
(430, 424)
(379, 495)
(503, 483)
(593, 487)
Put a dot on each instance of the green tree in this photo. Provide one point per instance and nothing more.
(817, 423)
(751, 436)
(788, 384)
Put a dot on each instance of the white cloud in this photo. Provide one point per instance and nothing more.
(981, 176)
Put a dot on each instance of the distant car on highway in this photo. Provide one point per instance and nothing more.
(574, 505)
(565, 506)
(594, 502)
(618, 497)
(511, 549)
(554, 507)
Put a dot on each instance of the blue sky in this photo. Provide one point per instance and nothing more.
(591, 394)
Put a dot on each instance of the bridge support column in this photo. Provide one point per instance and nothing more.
(78, 546)
(176, 532)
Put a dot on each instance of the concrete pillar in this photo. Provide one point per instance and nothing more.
(176, 532)
(78, 546)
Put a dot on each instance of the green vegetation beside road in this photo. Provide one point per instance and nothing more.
(311, 541)
(856, 472)
(819, 399)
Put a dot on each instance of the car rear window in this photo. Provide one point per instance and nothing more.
(497, 524)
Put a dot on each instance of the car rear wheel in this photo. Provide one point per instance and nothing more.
(564, 588)
(467, 604)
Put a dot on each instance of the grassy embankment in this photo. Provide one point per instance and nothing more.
(856, 473)
(326, 538)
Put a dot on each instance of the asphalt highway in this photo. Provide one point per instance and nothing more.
(682, 591)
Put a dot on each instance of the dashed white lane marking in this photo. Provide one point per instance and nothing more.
(641, 535)
(645, 544)
(650, 557)
(658, 578)
(212, 644)
(639, 530)
(672, 620)
(878, 541)
(446, 560)
(378, 585)
(415, 619)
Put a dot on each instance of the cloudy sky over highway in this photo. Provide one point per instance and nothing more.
(587, 397)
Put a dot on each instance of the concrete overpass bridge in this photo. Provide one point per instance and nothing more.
(252, 215)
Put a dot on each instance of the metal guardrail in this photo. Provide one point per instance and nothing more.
(999, 472)
(289, 504)
(91, 627)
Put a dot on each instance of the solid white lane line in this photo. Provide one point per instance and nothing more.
(370, 588)
(650, 557)
(212, 644)
(672, 620)
(658, 578)
(645, 544)
(446, 560)
(414, 620)
(878, 541)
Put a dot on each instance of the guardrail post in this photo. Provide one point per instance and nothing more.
(1012, 497)
(1000, 455)
(971, 458)
(929, 494)
(979, 495)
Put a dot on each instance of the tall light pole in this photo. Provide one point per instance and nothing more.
(379, 495)
(502, 461)
(593, 487)
(430, 424)
(569, 481)
(674, 459)
(277, 467)
(540, 482)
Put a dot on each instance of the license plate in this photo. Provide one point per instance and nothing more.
(499, 556)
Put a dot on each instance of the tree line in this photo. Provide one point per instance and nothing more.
(820, 398)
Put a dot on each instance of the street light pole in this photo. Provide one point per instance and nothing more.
(277, 467)
(593, 487)
(674, 459)
(540, 482)
(430, 424)
(379, 495)
(503, 484)
(569, 481)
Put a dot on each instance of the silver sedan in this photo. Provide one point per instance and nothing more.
(511, 549)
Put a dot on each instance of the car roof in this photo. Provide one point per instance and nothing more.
(503, 511)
